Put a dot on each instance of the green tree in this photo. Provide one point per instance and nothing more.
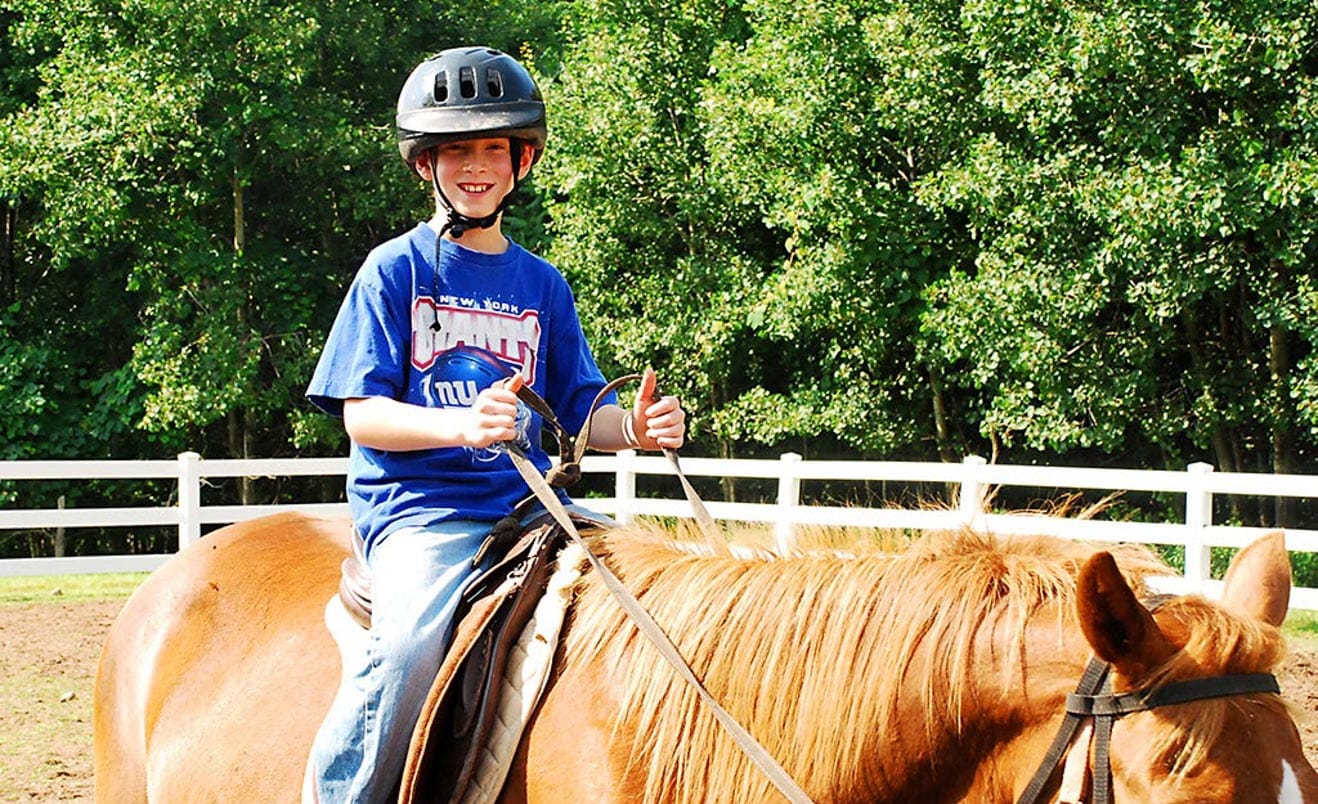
(823, 120)
(734, 193)
(1053, 227)
(897, 230)
(1141, 198)
(661, 258)
(215, 172)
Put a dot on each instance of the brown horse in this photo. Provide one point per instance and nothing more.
(936, 674)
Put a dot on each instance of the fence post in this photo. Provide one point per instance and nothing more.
(624, 485)
(59, 530)
(1198, 518)
(970, 500)
(789, 497)
(189, 499)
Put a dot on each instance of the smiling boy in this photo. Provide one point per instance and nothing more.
(433, 321)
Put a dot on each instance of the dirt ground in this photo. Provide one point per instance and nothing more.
(48, 655)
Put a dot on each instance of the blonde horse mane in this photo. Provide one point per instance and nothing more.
(821, 641)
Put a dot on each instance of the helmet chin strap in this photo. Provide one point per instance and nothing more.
(458, 224)
(455, 222)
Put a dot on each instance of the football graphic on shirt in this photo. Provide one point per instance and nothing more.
(459, 374)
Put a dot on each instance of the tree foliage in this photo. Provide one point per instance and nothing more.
(910, 229)
(1141, 192)
(1055, 227)
(197, 182)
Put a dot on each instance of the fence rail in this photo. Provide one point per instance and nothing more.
(973, 479)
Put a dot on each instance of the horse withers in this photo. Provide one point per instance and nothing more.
(937, 674)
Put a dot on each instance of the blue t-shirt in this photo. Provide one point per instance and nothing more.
(398, 335)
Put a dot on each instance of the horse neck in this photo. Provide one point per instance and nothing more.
(980, 739)
(871, 693)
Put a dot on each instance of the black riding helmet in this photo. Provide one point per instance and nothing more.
(468, 93)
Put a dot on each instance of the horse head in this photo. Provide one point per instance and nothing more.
(1228, 745)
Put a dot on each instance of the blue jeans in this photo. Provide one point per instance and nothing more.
(417, 576)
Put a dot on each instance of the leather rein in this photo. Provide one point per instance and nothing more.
(571, 449)
(1095, 702)
(568, 470)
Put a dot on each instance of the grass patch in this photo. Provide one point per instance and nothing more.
(1302, 627)
(63, 588)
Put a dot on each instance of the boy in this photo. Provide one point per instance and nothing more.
(433, 320)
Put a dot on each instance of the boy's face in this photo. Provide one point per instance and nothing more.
(475, 175)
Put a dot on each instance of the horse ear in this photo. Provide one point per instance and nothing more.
(1258, 582)
(1118, 628)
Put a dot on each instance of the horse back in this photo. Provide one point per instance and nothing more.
(224, 647)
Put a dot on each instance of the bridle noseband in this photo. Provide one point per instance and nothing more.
(1094, 698)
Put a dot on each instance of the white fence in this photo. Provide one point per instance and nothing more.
(974, 478)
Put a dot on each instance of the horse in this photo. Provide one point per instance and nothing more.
(935, 674)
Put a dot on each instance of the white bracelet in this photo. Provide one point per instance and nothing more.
(629, 430)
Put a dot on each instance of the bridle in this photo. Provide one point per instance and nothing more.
(1094, 701)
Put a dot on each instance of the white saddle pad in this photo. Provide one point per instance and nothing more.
(525, 676)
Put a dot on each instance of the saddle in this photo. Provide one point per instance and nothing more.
(448, 759)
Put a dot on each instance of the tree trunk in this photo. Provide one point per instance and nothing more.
(239, 216)
(240, 419)
(941, 434)
(725, 450)
(1222, 440)
(1283, 413)
(8, 233)
(59, 531)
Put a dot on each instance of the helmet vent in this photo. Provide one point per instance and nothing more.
(494, 83)
(467, 82)
(441, 87)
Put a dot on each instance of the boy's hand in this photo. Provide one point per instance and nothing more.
(656, 423)
(493, 417)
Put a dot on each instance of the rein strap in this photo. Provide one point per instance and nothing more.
(646, 624)
(1093, 678)
(572, 449)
